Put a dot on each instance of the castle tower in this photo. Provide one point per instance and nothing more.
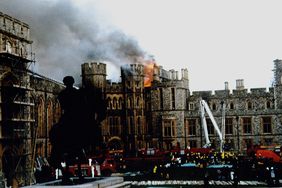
(133, 89)
(94, 74)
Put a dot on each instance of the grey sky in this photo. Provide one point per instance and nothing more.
(216, 40)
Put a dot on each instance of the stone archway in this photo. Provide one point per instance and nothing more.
(115, 143)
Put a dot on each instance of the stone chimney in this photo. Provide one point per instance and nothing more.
(226, 86)
(240, 84)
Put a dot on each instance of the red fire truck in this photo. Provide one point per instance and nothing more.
(93, 168)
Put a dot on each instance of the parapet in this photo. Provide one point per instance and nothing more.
(222, 93)
(114, 87)
(14, 27)
(94, 68)
(184, 74)
(173, 74)
(240, 92)
(132, 69)
(235, 92)
(258, 90)
(202, 94)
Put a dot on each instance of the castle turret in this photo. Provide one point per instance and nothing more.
(133, 85)
(94, 74)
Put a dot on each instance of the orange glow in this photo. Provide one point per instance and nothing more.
(148, 72)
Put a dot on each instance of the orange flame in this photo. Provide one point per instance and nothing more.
(148, 72)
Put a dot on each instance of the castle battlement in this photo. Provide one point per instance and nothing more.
(114, 87)
(172, 74)
(234, 93)
(132, 69)
(12, 26)
(96, 68)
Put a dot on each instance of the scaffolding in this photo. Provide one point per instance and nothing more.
(16, 123)
(18, 130)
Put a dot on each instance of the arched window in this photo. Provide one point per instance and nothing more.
(115, 103)
(249, 105)
(32, 117)
(137, 83)
(23, 52)
(120, 103)
(58, 110)
(50, 117)
(40, 118)
(8, 47)
(232, 106)
(268, 104)
(109, 103)
(137, 102)
(129, 102)
(213, 106)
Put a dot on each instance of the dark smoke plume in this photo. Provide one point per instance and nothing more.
(65, 37)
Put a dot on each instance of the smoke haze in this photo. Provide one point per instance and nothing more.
(65, 37)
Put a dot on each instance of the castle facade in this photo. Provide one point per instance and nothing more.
(162, 113)
(166, 114)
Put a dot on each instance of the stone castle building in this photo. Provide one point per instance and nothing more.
(29, 106)
(167, 114)
(162, 114)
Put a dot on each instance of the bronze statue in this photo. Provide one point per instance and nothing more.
(79, 126)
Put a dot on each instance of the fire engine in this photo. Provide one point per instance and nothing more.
(93, 168)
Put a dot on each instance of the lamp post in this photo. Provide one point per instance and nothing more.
(238, 138)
